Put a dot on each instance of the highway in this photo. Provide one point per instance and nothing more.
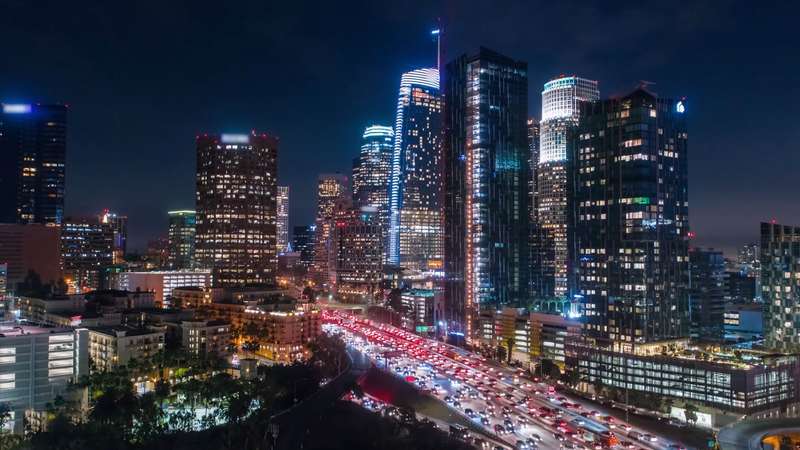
(517, 410)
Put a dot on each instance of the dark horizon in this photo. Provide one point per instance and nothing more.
(143, 80)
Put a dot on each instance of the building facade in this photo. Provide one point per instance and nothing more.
(706, 293)
(110, 347)
(372, 173)
(303, 238)
(181, 239)
(356, 253)
(236, 207)
(119, 226)
(31, 247)
(415, 238)
(282, 225)
(332, 189)
(163, 283)
(87, 249)
(204, 337)
(560, 113)
(486, 186)
(632, 222)
(36, 365)
(780, 291)
(33, 142)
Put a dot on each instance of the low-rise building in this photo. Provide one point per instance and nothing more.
(285, 328)
(549, 336)
(110, 347)
(717, 381)
(162, 283)
(36, 365)
(190, 297)
(37, 310)
(508, 328)
(203, 337)
(423, 309)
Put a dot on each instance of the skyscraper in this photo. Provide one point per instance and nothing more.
(632, 222)
(181, 237)
(119, 225)
(540, 281)
(332, 189)
(303, 238)
(371, 175)
(415, 237)
(486, 186)
(87, 248)
(33, 140)
(780, 270)
(236, 207)
(560, 113)
(282, 225)
(706, 294)
(356, 253)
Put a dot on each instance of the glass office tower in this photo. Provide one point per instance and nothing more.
(486, 186)
(415, 237)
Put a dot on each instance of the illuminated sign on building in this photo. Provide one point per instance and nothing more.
(235, 139)
(16, 108)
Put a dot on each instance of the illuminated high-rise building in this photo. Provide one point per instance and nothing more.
(415, 236)
(560, 113)
(632, 220)
(780, 270)
(119, 225)
(181, 237)
(87, 248)
(356, 256)
(486, 160)
(33, 141)
(332, 189)
(282, 225)
(236, 208)
(371, 175)
(303, 238)
(540, 279)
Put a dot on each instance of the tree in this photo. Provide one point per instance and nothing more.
(668, 403)
(571, 377)
(690, 412)
(501, 352)
(510, 345)
(550, 369)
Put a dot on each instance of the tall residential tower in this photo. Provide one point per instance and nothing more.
(632, 220)
(486, 186)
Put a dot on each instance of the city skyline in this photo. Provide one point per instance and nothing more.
(722, 177)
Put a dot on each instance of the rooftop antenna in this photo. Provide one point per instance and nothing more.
(437, 32)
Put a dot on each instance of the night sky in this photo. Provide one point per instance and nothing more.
(142, 78)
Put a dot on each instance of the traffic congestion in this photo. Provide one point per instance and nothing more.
(509, 405)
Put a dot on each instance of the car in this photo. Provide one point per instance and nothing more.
(559, 437)
(522, 445)
(626, 444)
(579, 422)
(649, 437)
(499, 429)
(456, 404)
(470, 413)
(484, 421)
(536, 437)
